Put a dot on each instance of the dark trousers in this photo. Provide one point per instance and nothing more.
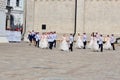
(85, 42)
(50, 45)
(97, 42)
(71, 47)
(113, 46)
(37, 43)
(101, 47)
(54, 43)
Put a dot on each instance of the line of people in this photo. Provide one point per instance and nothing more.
(48, 40)
(97, 42)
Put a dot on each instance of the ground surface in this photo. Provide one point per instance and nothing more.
(19, 61)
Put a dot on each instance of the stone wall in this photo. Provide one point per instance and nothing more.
(93, 15)
(2, 15)
(102, 16)
(2, 4)
(3, 37)
(58, 15)
(29, 14)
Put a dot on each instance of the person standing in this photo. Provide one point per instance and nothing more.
(37, 37)
(51, 40)
(107, 44)
(79, 43)
(30, 37)
(44, 41)
(112, 41)
(95, 45)
(90, 45)
(97, 36)
(84, 40)
(64, 45)
(55, 37)
(101, 43)
(33, 37)
(41, 45)
(71, 39)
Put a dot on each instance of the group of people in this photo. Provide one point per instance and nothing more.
(48, 40)
(97, 42)
(45, 40)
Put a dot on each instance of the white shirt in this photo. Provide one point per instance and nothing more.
(71, 39)
(33, 33)
(37, 37)
(100, 40)
(50, 38)
(112, 40)
(84, 38)
(97, 36)
(55, 36)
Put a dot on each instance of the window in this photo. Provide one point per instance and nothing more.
(43, 26)
(17, 3)
(8, 2)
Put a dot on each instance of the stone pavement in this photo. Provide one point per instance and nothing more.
(19, 61)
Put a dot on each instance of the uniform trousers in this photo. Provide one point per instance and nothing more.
(37, 43)
(54, 43)
(85, 42)
(50, 45)
(101, 47)
(71, 46)
(113, 46)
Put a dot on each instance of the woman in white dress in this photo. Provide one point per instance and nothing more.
(79, 43)
(95, 45)
(107, 45)
(64, 45)
(90, 45)
(43, 41)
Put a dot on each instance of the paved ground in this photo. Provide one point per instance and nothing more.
(19, 61)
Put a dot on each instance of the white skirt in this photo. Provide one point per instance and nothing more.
(79, 44)
(64, 46)
(95, 46)
(107, 45)
(43, 43)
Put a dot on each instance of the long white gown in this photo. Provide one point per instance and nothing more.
(107, 45)
(79, 43)
(90, 45)
(43, 42)
(95, 46)
(64, 45)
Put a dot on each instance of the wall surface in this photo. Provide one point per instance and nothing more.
(2, 15)
(3, 37)
(101, 16)
(29, 14)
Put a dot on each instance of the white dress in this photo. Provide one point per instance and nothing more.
(43, 42)
(107, 45)
(79, 43)
(90, 45)
(64, 45)
(95, 45)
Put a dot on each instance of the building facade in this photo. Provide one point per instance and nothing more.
(3, 36)
(17, 12)
(101, 16)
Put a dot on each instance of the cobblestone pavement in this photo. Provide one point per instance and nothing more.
(19, 61)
